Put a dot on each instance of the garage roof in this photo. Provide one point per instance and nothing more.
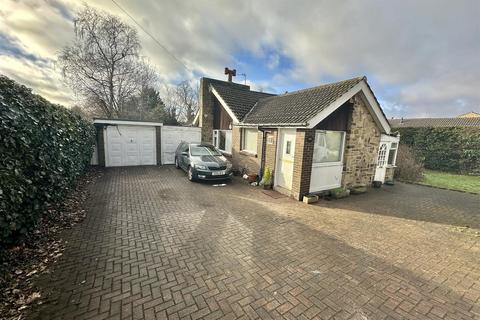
(127, 122)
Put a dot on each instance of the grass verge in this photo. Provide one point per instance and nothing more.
(451, 181)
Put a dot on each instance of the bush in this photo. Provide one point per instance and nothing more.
(44, 148)
(453, 149)
(409, 168)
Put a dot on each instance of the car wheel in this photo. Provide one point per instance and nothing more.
(176, 163)
(190, 174)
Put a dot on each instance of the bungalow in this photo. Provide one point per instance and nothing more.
(316, 139)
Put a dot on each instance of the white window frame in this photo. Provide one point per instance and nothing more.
(243, 133)
(342, 152)
(394, 157)
(228, 140)
(382, 156)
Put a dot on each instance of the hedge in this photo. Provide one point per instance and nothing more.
(451, 149)
(44, 148)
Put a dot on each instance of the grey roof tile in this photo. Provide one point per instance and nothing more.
(239, 100)
(300, 106)
(434, 122)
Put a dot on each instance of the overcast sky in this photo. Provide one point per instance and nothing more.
(421, 58)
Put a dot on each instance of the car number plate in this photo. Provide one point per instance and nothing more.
(218, 173)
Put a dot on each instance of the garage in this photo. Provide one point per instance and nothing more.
(171, 138)
(130, 146)
(134, 143)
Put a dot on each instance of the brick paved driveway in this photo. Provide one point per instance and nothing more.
(417, 203)
(156, 246)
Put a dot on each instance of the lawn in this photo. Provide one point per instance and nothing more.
(451, 181)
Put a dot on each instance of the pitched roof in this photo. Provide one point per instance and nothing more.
(434, 122)
(471, 114)
(298, 107)
(239, 100)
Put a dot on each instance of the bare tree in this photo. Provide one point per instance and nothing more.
(103, 64)
(182, 101)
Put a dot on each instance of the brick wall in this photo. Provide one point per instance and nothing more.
(302, 166)
(361, 145)
(100, 144)
(242, 160)
(205, 101)
(271, 149)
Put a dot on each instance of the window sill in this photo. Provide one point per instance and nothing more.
(248, 153)
(327, 164)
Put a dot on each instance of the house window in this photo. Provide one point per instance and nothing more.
(382, 153)
(392, 154)
(249, 140)
(222, 139)
(288, 147)
(328, 146)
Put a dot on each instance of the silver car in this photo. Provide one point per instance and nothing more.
(202, 161)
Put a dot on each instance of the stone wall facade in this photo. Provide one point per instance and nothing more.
(361, 145)
(241, 160)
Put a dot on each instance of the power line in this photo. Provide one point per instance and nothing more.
(153, 38)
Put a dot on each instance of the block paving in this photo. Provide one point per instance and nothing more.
(155, 246)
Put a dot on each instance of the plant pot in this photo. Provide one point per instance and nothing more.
(310, 199)
(377, 184)
(358, 189)
(339, 193)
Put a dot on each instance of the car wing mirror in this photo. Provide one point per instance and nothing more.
(184, 153)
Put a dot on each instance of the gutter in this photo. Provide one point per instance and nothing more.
(273, 125)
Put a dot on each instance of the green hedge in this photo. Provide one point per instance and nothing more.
(453, 149)
(44, 148)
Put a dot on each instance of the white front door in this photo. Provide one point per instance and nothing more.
(327, 162)
(381, 163)
(130, 146)
(285, 158)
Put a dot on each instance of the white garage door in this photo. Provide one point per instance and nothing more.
(171, 138)
(130, 146)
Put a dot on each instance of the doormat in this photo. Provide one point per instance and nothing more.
(274, 194)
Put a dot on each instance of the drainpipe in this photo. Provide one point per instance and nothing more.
(262, 160)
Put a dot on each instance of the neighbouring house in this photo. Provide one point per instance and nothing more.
(316, 139)
(460, 121)
(445, 144)
(470, 114)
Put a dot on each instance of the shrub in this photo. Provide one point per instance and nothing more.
(44, 148)
(409, 168)
(453, 149)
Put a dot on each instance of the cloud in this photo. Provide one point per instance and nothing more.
(420, 57)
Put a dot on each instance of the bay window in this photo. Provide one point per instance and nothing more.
(328, 146)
